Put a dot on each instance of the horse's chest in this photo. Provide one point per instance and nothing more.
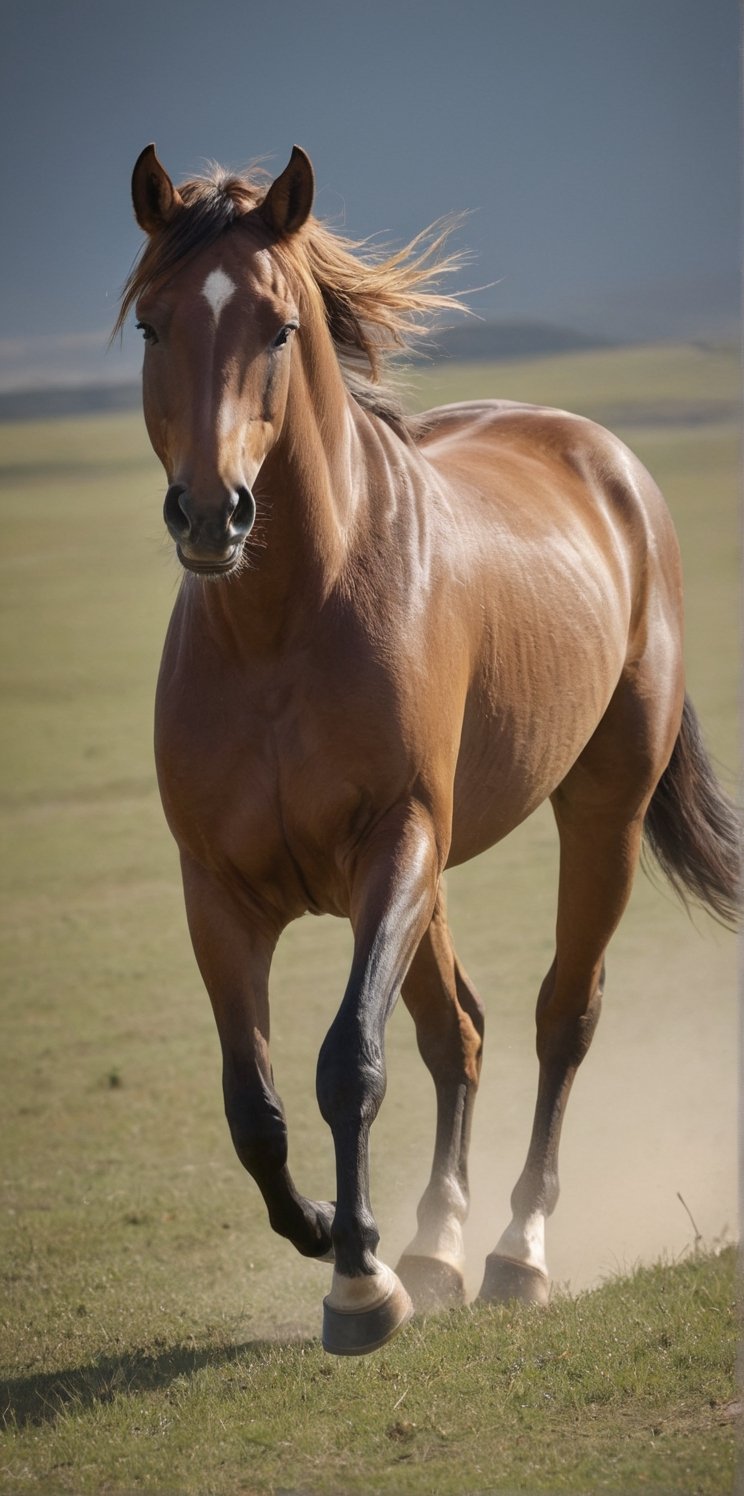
(263, 788)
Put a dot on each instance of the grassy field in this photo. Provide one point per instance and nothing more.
(146, 1305)
(624, 1389)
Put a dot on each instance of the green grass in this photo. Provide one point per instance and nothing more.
(622, 1389)
(138, 1271)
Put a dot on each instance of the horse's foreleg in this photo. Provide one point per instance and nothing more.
(393, 895)
(234, 947)
(449, 1027)
(599, 855)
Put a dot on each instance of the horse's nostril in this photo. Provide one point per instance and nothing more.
(211, 524)
(175, 511)
(243, 513)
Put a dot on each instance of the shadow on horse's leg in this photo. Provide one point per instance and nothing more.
(599, 856)
(448, 1015)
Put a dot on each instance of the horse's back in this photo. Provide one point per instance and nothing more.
(468, 437)
(547, 484)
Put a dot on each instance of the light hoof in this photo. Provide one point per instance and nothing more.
(356, 1332)
(506, 1280)
(433, 1285)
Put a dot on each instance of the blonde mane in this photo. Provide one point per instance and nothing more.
(376, 306)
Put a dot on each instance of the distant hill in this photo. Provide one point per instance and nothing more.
(473, 341)
(470, 342)
(68, 400)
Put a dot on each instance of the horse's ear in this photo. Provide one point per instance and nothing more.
(154, 197)
(290, 198)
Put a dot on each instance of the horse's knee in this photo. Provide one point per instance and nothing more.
(258, 1130)
(350, 1078)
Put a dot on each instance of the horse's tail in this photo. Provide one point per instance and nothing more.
(694, 830)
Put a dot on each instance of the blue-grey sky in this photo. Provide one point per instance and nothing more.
(595, 142)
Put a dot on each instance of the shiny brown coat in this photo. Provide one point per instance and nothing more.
(391, 644)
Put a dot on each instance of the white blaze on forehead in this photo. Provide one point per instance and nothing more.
(217, 290)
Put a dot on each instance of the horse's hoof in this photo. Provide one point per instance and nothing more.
(505, 1280)
(432, 1283)
(357, 1331)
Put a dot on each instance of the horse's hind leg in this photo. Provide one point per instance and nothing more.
(598, 862)
(599, 811)
(449, 1027)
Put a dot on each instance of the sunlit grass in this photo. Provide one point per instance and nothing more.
(626, 1388)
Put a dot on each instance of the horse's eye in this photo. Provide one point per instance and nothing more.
(149, 334)
(283, 335)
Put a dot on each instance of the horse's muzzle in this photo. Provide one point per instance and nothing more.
(209, 538)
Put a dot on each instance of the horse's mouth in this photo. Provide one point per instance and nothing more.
(204, 567)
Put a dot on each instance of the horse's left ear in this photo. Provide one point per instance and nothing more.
(290, 198)
(154, 197)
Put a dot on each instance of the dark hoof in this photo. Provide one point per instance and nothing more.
(356, 1332)
(505, 1280)
(431, 1283)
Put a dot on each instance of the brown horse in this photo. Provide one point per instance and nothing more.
(393, 640)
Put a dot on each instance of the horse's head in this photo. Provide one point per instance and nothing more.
(218, 314)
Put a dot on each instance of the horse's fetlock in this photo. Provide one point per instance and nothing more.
(355, 1241)
(535, 1190)
(442, 1197)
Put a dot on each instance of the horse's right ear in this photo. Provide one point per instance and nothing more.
(154, 197)
(290, 198)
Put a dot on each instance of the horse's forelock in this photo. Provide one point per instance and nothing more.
(374, 305)
(211, 205)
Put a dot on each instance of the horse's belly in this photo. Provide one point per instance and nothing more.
(490, 804)
(492, 797)
(522, 733)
